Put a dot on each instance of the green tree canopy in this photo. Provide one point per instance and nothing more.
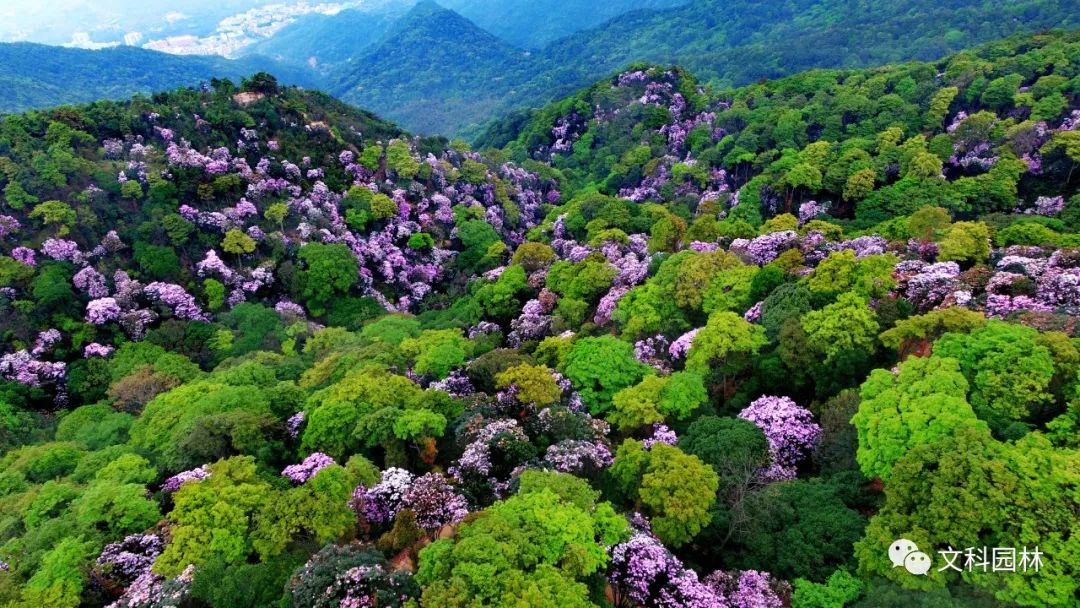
(674, 488)
(600, 367)
(921, 403)
(536, 548)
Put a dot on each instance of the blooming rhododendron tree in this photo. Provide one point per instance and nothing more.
(790, 431)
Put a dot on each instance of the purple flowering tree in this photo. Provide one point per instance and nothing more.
(24, 368)
(91, 282)
(748, 589)
(175, 297)
(642, 572)
(173, 483)
(122, 562)
(380, 503)
(102, 311)
(578, 456)
(790, 431)
(302, 472)
(434, 502)
(151, 590)
(681, 345)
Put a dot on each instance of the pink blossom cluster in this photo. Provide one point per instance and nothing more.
(643, 572)
(754, 312)
(293, 424)
(607, 305)
(150, 590)
(927, 285)
(286, 308)
(812, 210)
(62, 250)
(8, 226)
(653, 351)
(864, 245)
(660, 434)
(748, 589)
(381, 502)
(476, 460)
(24, 255)
(45, 340)
(533, 323)
(123, 562)
(578, 456)
(434, 502)
(369, 586)
(765, 248)
(456, 384)
(1049, 205)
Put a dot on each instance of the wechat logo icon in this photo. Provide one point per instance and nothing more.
(904, 553)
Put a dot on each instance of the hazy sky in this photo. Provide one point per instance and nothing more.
(56, 21)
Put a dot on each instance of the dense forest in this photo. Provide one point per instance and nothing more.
(654, 344)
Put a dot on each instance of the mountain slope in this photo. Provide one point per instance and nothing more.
(738, 41)
(528, 24)
(970, 133)
(533, 24)
(726, 42)
(435, 71)
(36, 76)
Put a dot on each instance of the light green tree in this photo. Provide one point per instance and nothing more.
(921, 403)
(674, 488)
(534, 549)
(845, 325)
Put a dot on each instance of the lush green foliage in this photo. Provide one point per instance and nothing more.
(409, 374)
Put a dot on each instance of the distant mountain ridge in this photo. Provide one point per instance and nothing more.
(534, 24)
(37, 76)
(727, 42)
(436, 70)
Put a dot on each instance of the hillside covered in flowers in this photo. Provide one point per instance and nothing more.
(655, 345)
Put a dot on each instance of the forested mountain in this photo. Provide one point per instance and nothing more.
(727, 42)
(533, 24)
(732, 42)
(662, 346)
(445, 71)
(527, 24)
(425, 71)
(41, 76)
